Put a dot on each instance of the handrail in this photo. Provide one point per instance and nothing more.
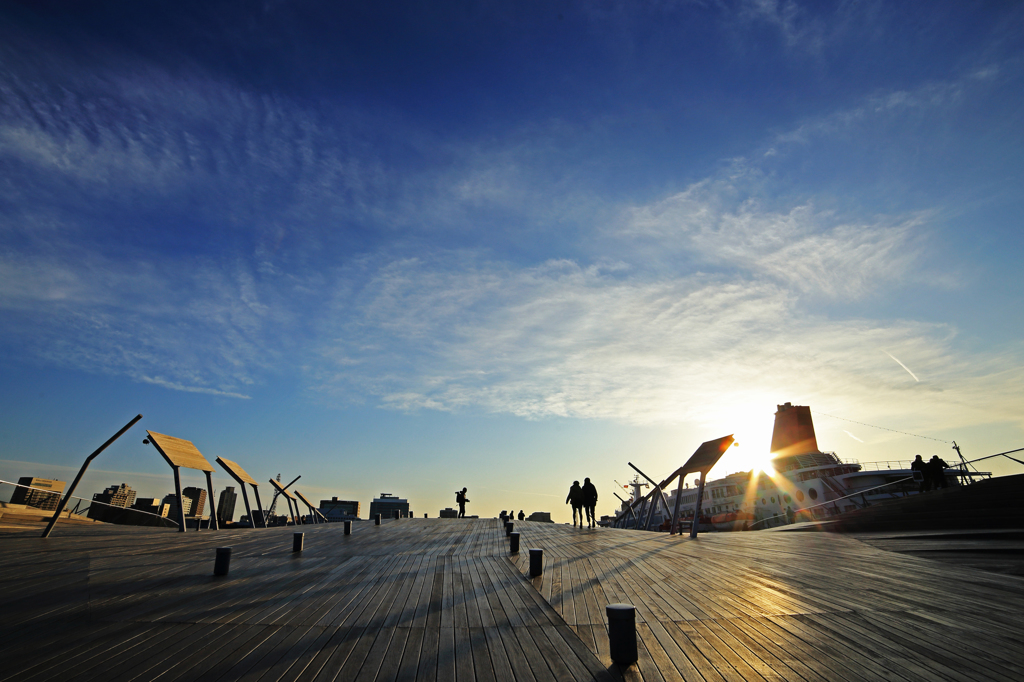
(859, 492)
(91, 502)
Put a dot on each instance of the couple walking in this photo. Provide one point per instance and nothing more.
(581, 499)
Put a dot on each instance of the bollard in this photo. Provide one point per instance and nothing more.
(513, 543)
(536, 562)
(297, 542)
(223, 562)
(376, 519)
(508, 528)
(622, 632)
(398, 514)
(348, 528)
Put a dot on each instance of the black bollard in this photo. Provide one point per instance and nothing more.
(536, 562)
(398, 514)
(622, 632)
(223, 561)
(508, 528)
(376, 519)
(348, 528)
(513, 543)
(297, 542)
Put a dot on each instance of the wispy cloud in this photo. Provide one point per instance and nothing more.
(852, 436)
(902, 365)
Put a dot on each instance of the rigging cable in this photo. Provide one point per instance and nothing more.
(947, 442)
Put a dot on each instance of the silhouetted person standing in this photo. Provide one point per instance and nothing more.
(575, 498)
(522, 516)
(920, 469)
(590, 501)
(461, 498)
(937, 470)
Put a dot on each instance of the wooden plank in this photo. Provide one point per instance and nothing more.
(179, 452)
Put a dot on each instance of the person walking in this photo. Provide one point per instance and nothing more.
(590, 501)
(461, 498)
(575, 498)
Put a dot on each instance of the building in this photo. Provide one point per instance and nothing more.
(40, 499)
(544, 517)
(105, 503)
(152, 505)
(448, 513)
(198, 497)
(339, 510)
(226, 505)
(387, 504)
(171, 500)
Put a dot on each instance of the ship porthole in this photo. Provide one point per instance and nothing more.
(764, 501)
(813, 493)
(773, 500)
(799, 495)
(787, 498)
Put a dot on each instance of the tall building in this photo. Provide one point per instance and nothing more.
(339, 510)
(104, 503)
(47, 501)
(226, 505)
(198, 497)
(171, 500)
(387, 504)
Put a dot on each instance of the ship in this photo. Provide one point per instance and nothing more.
(803, 484)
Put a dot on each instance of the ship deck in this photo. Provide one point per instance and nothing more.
(441, 599)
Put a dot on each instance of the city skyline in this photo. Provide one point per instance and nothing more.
(417, 248)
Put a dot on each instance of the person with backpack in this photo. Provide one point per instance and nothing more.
(589, 502)
(575, 498)
(461, 499)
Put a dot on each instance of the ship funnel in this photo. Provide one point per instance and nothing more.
(794, 431)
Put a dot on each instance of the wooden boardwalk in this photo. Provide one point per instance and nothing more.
(433, 599)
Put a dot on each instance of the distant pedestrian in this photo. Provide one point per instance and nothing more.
(920, 469)
(790, 515)
(575, 498)
(461, 499)
(590, 501)
(522, 516)
(937, 470)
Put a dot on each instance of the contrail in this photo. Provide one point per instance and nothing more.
(852, 436)
(902, 365)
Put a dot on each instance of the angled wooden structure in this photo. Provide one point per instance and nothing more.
(243, 478)
(288, 498)
(701, 461)
(179, 453)
(314, 512)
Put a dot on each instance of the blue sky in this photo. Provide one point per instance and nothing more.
(408, 248)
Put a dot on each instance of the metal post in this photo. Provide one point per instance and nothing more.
(213, 510)
(348, 528)
(513, 543)
(259, 507)
(622, 633)
(398, 514)
(536, 562)
(297, 541)
(376, 519)
(508, 527)
(181, 505)
(81, 472)
(675, 511)
(700, 502)
(653, 505)
(223, 561)
(248, 509)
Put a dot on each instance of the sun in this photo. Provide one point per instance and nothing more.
(752, 431)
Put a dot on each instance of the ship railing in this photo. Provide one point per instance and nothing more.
(883, 465)
(833, 502)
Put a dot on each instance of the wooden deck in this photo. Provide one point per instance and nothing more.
(433, 599)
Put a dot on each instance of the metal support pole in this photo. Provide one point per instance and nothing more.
(248, 509)
(81, 472)
(213, 510)
(181, 504)
(259, 507)
(675, 511)
(700, 502)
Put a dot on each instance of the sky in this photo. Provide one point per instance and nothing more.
(410, 247)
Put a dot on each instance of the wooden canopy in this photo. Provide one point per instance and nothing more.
(237, 472)
(280, 489)
(179, 452)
